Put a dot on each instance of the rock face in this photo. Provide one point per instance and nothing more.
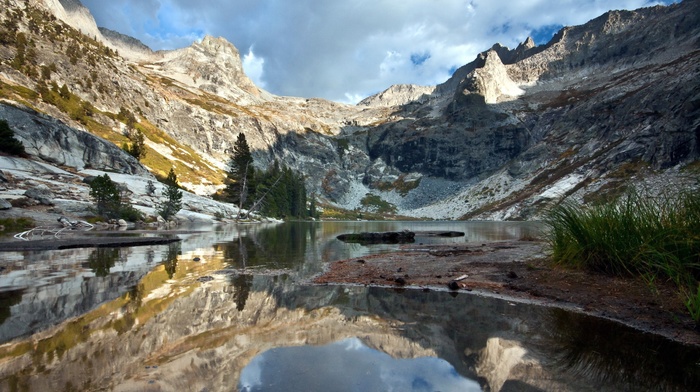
(603, 106)
(77, 15)
(127, 46)
(57, 143)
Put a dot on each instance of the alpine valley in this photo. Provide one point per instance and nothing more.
(603, 107)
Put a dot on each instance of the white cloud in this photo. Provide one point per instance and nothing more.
(253, 67)
(338, 49)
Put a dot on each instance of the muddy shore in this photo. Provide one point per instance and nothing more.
(521, 271)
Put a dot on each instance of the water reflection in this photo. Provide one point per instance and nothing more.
(170, 258)
(277, 247)
(154, 323)
(102, 259)
(599, 350)
(348, 365)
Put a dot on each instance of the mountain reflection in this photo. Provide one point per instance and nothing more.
(228, 308)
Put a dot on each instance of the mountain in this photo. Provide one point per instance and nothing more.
(602, 107)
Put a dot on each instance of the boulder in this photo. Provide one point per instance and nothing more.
(5, 205)
(42, 194)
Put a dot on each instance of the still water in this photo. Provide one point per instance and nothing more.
(228, 309)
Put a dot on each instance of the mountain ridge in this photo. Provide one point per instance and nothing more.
(506, 135)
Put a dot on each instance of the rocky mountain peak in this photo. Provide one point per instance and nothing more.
(529, 43)
(219, 46)
(213, 65)
(505, 135)
(491, 80)
(398, 94)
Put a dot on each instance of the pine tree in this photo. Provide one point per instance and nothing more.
(173, 203)
(241, 174)
(107, 196)
(137, 147)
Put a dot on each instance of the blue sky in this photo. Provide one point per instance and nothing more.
(346, 50)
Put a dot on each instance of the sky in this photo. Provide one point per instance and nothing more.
(346, 50)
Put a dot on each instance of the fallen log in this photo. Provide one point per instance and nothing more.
(388, 237)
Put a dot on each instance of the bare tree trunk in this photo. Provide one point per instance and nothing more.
(244, 193)
(260, 200)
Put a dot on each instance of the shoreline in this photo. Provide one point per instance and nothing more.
(520, 271)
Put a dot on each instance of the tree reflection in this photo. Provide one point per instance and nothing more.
(101, 260)
(170, 258)
(612, 353)
(273, 247)
(242, 283)
(8, 299)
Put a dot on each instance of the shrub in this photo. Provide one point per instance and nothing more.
(16, 224)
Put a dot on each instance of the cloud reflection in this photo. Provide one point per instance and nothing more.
(348, 365)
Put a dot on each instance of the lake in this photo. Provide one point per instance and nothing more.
(229, 308)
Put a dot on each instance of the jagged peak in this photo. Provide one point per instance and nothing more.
(217, 45)
(529, 43)
(398, 94)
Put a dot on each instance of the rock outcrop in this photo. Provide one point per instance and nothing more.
(52, 141)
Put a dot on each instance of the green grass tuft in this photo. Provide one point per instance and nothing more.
(635, 236)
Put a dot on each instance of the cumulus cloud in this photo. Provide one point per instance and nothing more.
(253, 66)
(348, 49)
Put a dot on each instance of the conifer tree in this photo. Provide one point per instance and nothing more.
(173, 202)
(241, 174)
(107, 196)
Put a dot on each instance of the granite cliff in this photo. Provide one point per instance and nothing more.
(602, 107)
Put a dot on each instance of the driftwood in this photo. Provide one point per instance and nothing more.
(389, 237)
(66, 225)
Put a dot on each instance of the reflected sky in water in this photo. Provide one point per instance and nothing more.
(348, 365)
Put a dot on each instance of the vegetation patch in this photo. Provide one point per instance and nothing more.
(16, 224)
(636, 235)
(628, 169)
(400, 185)
(611, 191)
(375, 203)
